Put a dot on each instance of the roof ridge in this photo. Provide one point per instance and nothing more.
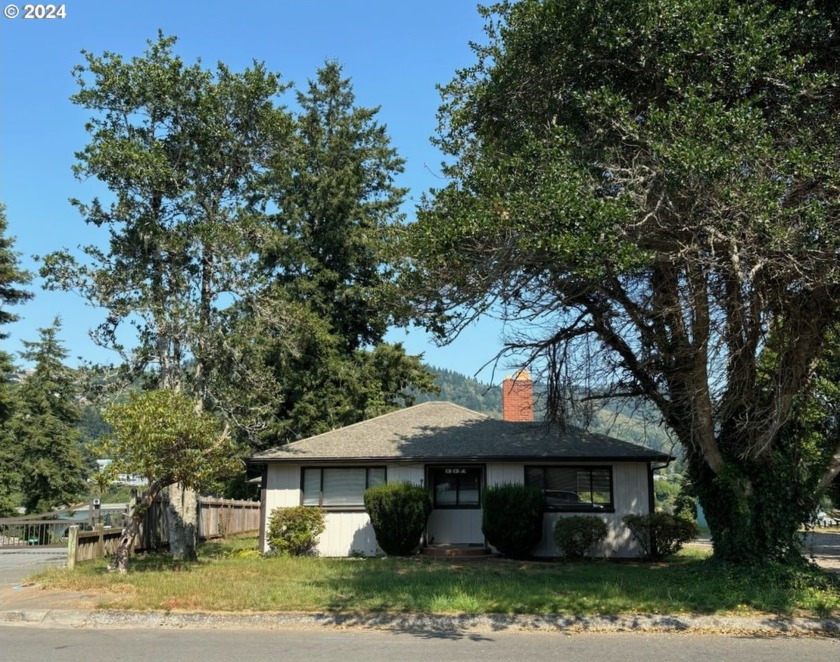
(450, 404)
(368, 420)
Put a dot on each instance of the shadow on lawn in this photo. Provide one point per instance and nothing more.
(600, 588)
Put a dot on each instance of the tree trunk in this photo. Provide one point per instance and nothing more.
(182, 505)
(755, 508)
(131, 529)
(121, 554)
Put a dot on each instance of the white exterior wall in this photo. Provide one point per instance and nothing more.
(455, 526)
(345, 532)
(630, 495)
(349, 532)
(282, 491)
(464, 525)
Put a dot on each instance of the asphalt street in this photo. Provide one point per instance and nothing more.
(23, 644)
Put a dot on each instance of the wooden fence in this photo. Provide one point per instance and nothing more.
(220, 517)
(216, 518)
(92, 545)
(51, 529)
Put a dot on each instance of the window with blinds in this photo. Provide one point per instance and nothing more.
(339, 487)
(573, 488)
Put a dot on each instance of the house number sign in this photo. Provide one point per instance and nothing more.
(455, 471)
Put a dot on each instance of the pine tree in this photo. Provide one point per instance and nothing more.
(11, 276)
(338, 204)
(53, 468)
(329, 255)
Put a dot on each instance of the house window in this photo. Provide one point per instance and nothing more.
(339, 487)
(573, 488)
(457, 487)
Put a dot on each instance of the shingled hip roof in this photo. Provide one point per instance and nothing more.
(445, 432)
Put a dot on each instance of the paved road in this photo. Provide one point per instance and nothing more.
(17, 564)
(23, 644)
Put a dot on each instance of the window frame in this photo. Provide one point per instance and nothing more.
(457, 505)
(333, 507)
(590, 507)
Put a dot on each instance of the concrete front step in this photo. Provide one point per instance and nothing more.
(454, 550)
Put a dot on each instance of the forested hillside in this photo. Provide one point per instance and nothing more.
(633, 421)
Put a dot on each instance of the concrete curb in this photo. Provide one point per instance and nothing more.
(762, 626)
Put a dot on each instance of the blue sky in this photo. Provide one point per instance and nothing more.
(395, 53)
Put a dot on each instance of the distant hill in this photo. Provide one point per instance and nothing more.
(464, 391)
(631, 420)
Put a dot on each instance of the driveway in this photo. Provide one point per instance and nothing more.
(17, 564)
(824, 548)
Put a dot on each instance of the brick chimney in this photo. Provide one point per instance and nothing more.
(518, 397)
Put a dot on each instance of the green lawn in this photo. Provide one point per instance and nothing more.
(231, 576)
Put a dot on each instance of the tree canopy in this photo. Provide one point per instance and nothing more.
(53, 465)
(651, 190)
(329, 252)
(12, 277)
(164, 437)
(250, 257)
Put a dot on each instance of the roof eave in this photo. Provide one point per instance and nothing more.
(403, 459)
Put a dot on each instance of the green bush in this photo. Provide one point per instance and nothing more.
(295, 530)
(398, 513)
(512, 518)
(659, 534)
(577, 534)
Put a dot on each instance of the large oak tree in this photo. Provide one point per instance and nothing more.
(651, 190)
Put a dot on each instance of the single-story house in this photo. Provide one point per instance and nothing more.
(456, 453)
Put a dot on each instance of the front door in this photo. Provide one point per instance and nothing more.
(456, 517)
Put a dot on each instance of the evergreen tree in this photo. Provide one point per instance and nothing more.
(330, 258)
(181, 149)
(11, 276)
(338, 204)
(46, 425)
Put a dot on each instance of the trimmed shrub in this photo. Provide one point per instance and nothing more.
(295, 530)
(660, 534)
(398, 513)
(577, 534)
(512, 518)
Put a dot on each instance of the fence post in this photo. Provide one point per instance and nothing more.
(72, 546)
(101, 544)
